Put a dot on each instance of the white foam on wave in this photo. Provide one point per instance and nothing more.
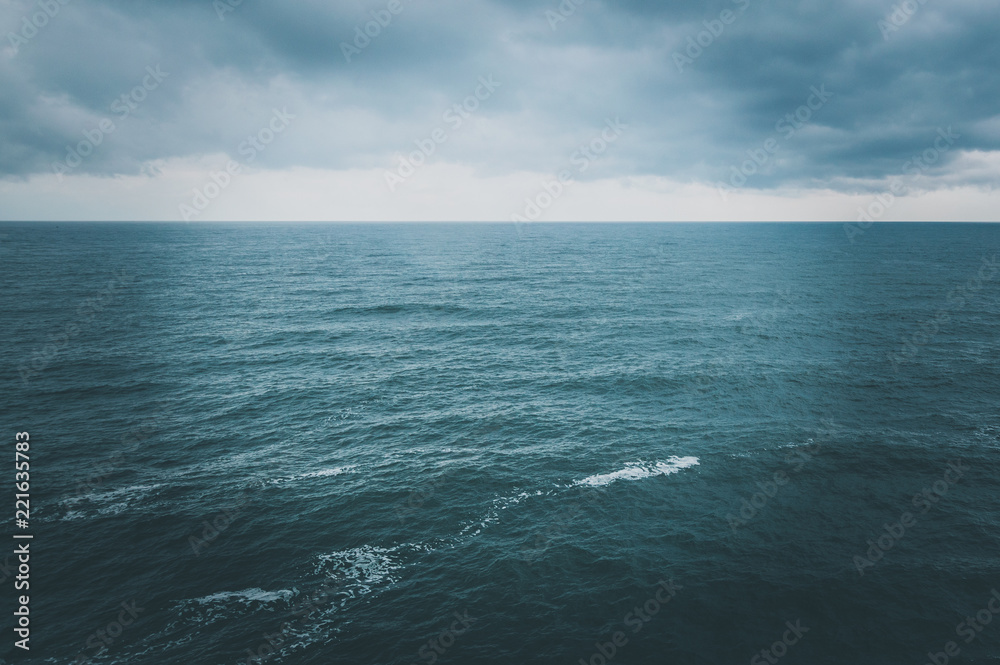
(254, 595)
(492, 516)
(504, 502)
(640, 470)
(223, 605)
(347, 575)
(989, 432)
(366, 566)
(108, 502)
(322, 473)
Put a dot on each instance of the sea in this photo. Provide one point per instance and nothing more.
(464, 444)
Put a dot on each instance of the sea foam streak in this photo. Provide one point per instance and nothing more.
(322, 473)
(639, 470)
(110, 502)
(230, 604)
(255, 595)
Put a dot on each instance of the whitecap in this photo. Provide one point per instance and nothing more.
(108, 502)
(493, 515)
(367, 566)
(230, 604)
(247, 596)
(640, 470)
(322, 473)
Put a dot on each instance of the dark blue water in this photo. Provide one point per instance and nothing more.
(337, 439)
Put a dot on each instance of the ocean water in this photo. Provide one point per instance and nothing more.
(395, 444)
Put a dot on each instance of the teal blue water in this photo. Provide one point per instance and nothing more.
(395, 444)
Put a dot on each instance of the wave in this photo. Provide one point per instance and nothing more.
(367, 566)
(322, 473)
(255, 595)
(492, 516)
(193, 615)
(640, 470)
(104, 503)
(227, 605)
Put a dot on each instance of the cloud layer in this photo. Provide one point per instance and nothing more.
(707, 90)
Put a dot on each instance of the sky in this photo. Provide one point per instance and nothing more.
(500, 110)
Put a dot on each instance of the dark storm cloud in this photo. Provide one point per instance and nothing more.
(693, 110)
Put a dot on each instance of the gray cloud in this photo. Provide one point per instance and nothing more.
(891, 92)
